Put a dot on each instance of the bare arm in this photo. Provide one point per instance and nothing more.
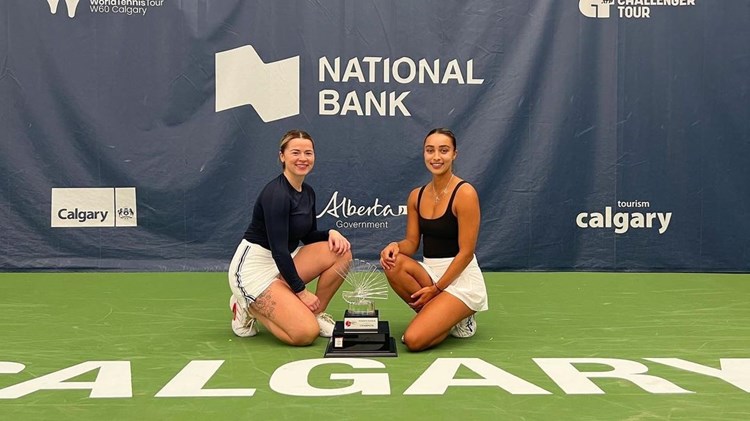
(410, 244)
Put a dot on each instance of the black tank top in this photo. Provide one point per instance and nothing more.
(439, 235)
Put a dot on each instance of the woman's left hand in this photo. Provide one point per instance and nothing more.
(423, 296)
(337, 243)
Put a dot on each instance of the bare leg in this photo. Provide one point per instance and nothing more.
(284, 315)
(407, 277)
(282, 312)
(433, 323)
(316, 261)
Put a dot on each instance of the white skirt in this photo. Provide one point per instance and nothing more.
(252, 271)
(468, 286)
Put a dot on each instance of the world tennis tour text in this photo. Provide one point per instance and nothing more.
(356, 376)
(124, 7)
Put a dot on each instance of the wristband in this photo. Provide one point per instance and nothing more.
(438, 288)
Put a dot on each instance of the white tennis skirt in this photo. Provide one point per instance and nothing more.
(252, 271)
(468, 286)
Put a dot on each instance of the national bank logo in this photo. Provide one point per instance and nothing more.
(94, 207)
(242, 78)
(273, 89)
(72, 6)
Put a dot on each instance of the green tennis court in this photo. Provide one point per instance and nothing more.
(573, 346)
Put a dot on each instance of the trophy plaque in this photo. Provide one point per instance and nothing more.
(362, 333)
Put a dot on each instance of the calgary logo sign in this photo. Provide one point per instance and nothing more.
(93, 207)
(369, 377)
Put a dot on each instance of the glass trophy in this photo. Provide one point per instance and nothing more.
(361, 333)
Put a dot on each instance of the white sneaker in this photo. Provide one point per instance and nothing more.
(326, 323)
(243, 324)
(466, 328)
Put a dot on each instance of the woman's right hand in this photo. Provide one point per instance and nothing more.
(310, 300)
(388, 256)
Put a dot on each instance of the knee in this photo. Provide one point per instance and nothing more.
(395, 273)
(415, 342)
(344, 258)
(304, 337)
(341, 262)
(336, 259)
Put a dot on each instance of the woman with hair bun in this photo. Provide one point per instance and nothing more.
(270, 269)
(447, 287)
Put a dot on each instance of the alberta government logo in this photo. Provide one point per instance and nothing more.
(273, 88)
(120, 7)
(627, 9)
(342, 208)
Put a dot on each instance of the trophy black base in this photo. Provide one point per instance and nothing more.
(371, 343)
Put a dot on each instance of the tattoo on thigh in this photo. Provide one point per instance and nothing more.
(264, 304)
